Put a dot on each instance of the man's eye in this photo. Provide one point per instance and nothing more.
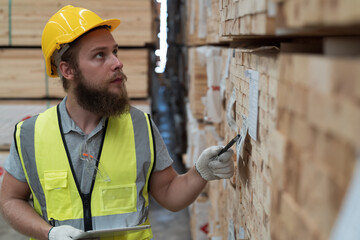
(115, 52)
(99, 55)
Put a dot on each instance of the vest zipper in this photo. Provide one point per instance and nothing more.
(86, 199)
(52, 222)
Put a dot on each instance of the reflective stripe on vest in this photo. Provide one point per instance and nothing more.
(126, 155)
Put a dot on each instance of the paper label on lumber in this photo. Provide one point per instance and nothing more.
(202, 23)
(240, 142)
(192, 18)
(196, 139)
(241, 233)
(226, 73)
(253, 101)
(272, 9)
(213, 72)
(347, 225)
(231, 231)
(201, 214)
(224, 183)
(229, 112)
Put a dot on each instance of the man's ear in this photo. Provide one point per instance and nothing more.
(66, 70)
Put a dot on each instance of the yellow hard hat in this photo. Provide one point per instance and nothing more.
(65, 26)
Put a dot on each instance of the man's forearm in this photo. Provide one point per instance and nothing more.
(23, 218)
(186, 188)
(176, 192)
(18, 212)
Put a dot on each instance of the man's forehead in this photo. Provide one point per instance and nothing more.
(99, 38)
(102, 47)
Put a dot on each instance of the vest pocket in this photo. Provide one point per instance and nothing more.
(57, 194)
(118, 199)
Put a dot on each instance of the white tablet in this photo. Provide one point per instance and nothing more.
(93, 234)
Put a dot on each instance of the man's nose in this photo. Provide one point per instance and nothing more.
(117, 64)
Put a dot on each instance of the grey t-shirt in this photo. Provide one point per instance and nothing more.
(76, 139)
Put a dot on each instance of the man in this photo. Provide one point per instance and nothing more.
(91, 161)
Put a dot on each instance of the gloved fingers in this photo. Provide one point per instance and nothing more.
(218, 164)
(225, 175)
(212, 151)
(222, 161)
(226, 155)
(226, 170)
(63, 232)
(209, 162)
(74, 232)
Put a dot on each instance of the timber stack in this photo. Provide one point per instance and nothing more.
(284, 74)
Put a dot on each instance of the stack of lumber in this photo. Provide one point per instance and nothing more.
(23, 75)
(27, 19)
(295, 101)
(4, 23)
(248, 192)
(197, 83)
(247, 17)
(25, 89)
(196, 25)
(206, 80)
(201, 23)
(315, 143)
(318, 13)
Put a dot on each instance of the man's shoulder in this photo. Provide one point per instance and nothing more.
(137, 110)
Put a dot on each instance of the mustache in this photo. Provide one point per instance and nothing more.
(119, 74)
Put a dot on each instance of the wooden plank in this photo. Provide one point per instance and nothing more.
(4, 23)
(143, 105)
(197, 83)
(246, 17)
(136, 67)
(31, 81)
(302, 14)
(213, 24)
(29, 19)
(193, 35)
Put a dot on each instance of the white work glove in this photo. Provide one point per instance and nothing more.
(211, 167)
(64, 232)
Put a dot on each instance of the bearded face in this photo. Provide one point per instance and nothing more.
(98, 99)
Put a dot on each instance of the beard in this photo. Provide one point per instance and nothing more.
(99, 100)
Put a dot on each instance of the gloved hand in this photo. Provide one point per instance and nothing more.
(64, 232)
(211, 167)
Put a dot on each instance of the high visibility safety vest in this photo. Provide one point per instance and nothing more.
(126, 154)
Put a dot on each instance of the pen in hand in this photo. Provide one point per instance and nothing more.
(232, 141)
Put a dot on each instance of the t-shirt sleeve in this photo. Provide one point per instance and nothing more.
(163, 159)
(13, 165)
